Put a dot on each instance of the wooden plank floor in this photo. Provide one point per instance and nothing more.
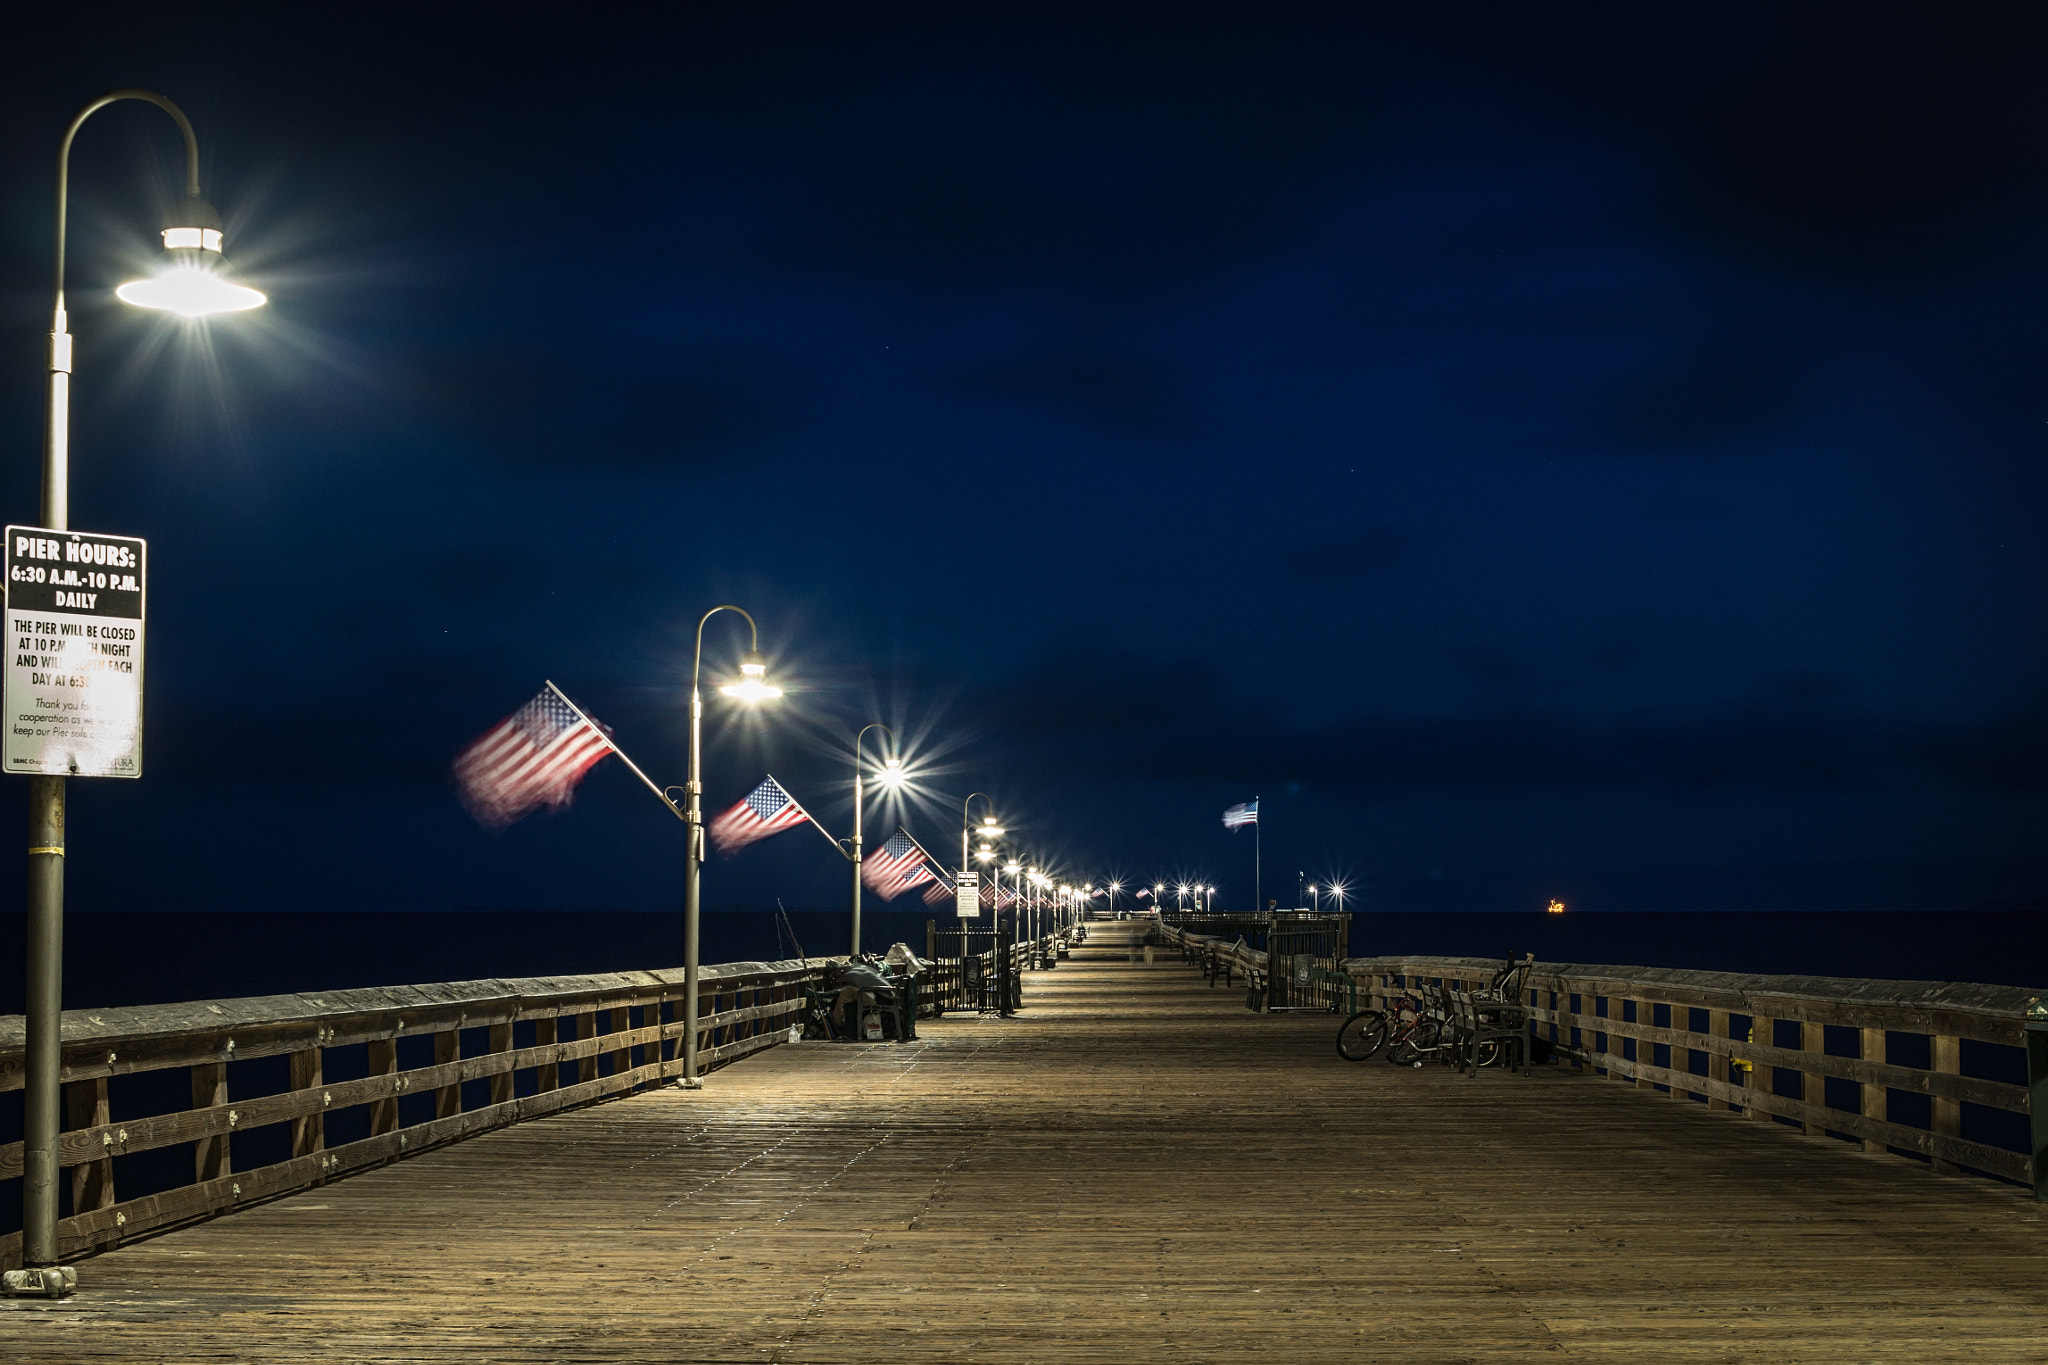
(1135, 1169)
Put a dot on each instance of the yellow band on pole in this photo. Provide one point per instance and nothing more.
(57, 849)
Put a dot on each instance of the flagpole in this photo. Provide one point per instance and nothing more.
(826, 833)
(613, 745)
(1258, 831)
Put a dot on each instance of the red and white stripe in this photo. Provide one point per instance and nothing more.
(765, 810)
(532, 758)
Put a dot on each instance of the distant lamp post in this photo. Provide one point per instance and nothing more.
(987, 829)
(890, 776)
(192, 282)
(1314, 901)
(752, 689)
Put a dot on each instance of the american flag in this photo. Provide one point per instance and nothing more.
(1144, 895)
(766, 810)
(895, 867)
(939, 892)
(1242, 814)
(532, 758)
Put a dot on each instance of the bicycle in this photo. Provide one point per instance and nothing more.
(1417, 1030)
(1366, 1033)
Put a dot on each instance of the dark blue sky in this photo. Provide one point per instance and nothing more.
(1595, 456)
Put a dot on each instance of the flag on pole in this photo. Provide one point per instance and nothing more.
(532, 758)
(765, 810)
(1144, 895)
(895, 867)
(938, 893)
(1242, 814)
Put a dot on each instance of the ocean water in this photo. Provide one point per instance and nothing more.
(139, 958)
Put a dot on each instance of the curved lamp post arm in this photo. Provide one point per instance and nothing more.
(64, 161)
(56, 508)
(754, 639)
(966, 818)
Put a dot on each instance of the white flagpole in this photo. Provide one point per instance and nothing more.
(1258, 830)
(810, 817)
(613, 745)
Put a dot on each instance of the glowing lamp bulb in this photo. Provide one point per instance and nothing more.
(753, 686)
(892, 772)
(190, 291)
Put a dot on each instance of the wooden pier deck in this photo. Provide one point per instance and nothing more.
(1136, 1168)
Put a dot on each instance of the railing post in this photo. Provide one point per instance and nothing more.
(1570, 1019)
(1646, 1051)
(2037, 1088)
(501, 1082)
(621, 1020)
(1813, 1084)
(1681, 1054)
(1875, 1101)
(1764, 1031)
(384, 1062)
(448, 1048)
(92, 1182)
(309, 1131)
(1603, 1010)
(586, 1065)
(1948, 1114)
(548, 1075)
(210, 1157)
(1718, 1025)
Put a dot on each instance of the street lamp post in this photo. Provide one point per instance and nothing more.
(987, 829)
(891, 774)
(191, 283)
(1016, 871)
(752, 688)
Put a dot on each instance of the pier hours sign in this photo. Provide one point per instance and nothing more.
(74, 652)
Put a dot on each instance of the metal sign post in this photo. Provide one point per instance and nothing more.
(74, 653)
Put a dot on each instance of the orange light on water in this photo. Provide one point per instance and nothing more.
(1556, 907)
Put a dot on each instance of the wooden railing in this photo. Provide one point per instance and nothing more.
(1311, 983)
(943, 990)
(531, 1047)
(502, 1051)
(1650, 1027)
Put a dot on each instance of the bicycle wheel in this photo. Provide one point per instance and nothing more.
(1362, 1035)
(1490, 1052)
(1411, 1050)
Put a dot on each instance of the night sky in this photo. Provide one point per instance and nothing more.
(1591, 453)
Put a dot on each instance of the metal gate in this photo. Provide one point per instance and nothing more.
(1298, 951)
(989, 981)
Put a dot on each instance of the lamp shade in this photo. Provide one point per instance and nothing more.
(193, 280)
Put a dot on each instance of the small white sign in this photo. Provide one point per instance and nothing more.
(74, 650)
(967, 895)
